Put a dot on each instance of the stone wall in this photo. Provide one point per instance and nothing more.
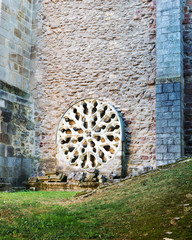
(15, 42)
(96, 49)
(16, 135)
(187, 37)
(16, 108)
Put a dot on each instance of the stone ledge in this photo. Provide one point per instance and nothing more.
(14, 90)
(15, 98)
(169, 80)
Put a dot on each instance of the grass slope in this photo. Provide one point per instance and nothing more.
(155, 206)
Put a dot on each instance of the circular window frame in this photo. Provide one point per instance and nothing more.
(74, 157)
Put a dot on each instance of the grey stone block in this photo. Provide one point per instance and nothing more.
(174, 122)
(177, 115)
(18, 162)
(158, 104)
(3, 73)
(159, 88)
(174, 149)
(10, 151)
(161, 123)
(174, 109)
(159, 115)
(161, 163)
(162, 109)
(163, 135)
(178, 155)
(169, 156)
(169, 129)
(162, 149)
(177, 141)
(26, 165)
(168, 88)
(176, 103)
(3, 127)
(11, 162)
(159, 156)
(168, 141)
(171, 161)
(177, 87)
(175, 96)
(2, 103)
(11, 172)
(168, 115)
(2, 150)
(175, 136)
(2, 162)
(162, 97)
(159, 129)
(11, 129)
(167, 103)
(4, 172)
(159, 141)
(178, 130)
(174, 36)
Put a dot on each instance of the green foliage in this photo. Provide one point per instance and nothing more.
(145, 208)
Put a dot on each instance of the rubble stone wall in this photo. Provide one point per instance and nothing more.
(96, 49)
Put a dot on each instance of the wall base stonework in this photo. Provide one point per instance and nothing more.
(169, 123)
(15, 170)
(16, 135)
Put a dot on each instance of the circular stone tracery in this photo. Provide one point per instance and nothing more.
(89, 134)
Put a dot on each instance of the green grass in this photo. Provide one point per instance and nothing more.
(145, 208)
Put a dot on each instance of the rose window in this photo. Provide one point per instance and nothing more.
(89, 134)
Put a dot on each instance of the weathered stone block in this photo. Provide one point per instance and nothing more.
(17, 33)
(174, 149)
(2, 162)
(10, 151)
(11, 129)
(167, 115)
(161, 123)
(162, 149)
(161, 163)
(5, 138)
(167, 103)
(159, 88)
(162, 109)
(2, 150)
(177, 103)
(162, 97)
(11, 162)
(168, 88)
(5, 114)
(175, 96)
(4, 172)
(177, 87)
(169, 156)
(174, 122)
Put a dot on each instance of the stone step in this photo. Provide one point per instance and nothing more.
(51, 177)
